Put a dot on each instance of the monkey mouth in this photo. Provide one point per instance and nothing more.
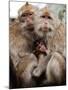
(30, 27)
(45, 29)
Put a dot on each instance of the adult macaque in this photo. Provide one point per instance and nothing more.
(52, 30)
(21, 41)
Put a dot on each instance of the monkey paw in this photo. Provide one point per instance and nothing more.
(37, 72)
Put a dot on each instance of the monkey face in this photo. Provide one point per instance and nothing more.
(27, 20)
(46, 22)
(26, 16)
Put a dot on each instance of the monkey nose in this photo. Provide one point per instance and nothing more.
(29, 21)
(46, 23)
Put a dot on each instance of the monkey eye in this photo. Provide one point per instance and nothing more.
(49, 17)
(23, 15)
(43, 16)
(30, 14)
(26, 14)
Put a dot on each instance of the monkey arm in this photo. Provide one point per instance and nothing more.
(25, 68)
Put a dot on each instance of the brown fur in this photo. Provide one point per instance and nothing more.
(52, 30)
(21, 40)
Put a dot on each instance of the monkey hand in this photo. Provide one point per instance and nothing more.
(42, 48)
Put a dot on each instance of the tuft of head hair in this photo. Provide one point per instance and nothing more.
(26, 8)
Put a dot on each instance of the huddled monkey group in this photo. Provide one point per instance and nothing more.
(36, 48)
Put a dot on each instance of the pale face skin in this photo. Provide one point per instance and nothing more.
(46, 22)
(27, 19)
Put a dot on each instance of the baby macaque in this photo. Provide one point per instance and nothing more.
(21, 38)
(40, 47)
(49, 27)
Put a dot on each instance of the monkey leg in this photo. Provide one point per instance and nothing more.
(42, 64)
(55, 71)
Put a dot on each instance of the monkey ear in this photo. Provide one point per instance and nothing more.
(22, 8)
(27, 3)
(19, 13)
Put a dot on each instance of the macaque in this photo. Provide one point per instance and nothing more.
(38, 44)
(49, 27)
(21, 38)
